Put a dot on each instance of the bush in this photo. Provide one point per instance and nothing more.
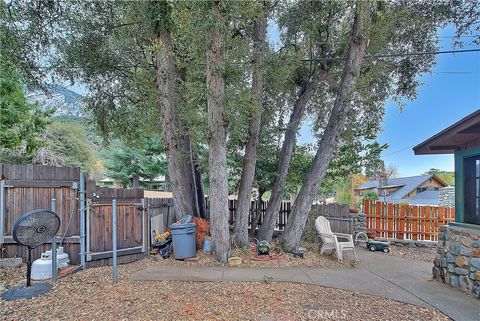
(370, 196)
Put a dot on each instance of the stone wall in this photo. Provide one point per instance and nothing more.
(447, 197)
(359, 223)
(458, 259)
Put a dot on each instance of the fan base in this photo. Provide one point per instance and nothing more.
(26, 292)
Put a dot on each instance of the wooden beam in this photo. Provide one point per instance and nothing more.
(446, 147)
(68, 240)
(37, 183)
(108, 254)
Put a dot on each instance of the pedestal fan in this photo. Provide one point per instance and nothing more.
(32, 229)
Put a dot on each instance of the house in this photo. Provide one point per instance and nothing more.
(417, 190)
(156, 184)
(458, 261)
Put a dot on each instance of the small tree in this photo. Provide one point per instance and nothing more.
(21, 123)
(370, 196)
(126, 163)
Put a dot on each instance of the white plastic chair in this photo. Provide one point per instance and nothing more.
(331, 240)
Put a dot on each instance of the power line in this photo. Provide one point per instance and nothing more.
(424, 53)
(453, 72)
(398, 151)
(451, 37)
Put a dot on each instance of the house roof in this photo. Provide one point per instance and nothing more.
(423, 198)
(407, 184)
(390, 186)
(157, 179)
(465, 133)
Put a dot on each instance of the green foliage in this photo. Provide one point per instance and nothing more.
(113, 44)
(145, 159)
(267, 279)
(21, 123)
(370, 196)
(67, 144)
(301, 160)
(447, 177)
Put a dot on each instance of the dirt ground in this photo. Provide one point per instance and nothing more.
(311, 259)
(90, 295)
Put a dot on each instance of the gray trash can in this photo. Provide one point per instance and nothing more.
(183, 236)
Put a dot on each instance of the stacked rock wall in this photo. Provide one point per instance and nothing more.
(447, 197)
(458, 258)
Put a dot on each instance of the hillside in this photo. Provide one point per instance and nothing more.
(65, 101)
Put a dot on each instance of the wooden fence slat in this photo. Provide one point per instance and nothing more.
(406, 221)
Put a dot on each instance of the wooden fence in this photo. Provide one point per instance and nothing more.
(131, 221)
(406, 222)
(162, 214)
(341, 221)
(259, 208)
(27, 187)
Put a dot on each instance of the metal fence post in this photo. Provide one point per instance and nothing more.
(114, 240)
(149, 228)
(2, 210)
(53, 207)
(82, 221)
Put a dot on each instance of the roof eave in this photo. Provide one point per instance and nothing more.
(428, 146)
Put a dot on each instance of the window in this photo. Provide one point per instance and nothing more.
(421, 189)
(471, 181)
(436, 188)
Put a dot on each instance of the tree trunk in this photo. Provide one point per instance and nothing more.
(177, 141)
(202, 210)
(250, 158)
(294, 227)
(135, 178)
(217, 141)
(268, 225)
(258, 212)
(135, 182)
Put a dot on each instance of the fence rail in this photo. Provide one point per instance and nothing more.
(27, 187)
(406, 222)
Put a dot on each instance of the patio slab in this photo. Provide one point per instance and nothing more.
(378, 274)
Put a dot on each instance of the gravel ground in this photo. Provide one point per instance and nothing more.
(417, 253)
(89, 295)
(424, 254)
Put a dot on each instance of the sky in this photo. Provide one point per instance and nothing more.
(449, 93)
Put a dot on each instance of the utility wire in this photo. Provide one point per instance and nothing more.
(398, 151)
(424, 53)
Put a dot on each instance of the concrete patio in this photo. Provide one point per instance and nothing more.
(378, 274)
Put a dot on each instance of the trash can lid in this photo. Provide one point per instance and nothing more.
(185, 219)
(176, 226)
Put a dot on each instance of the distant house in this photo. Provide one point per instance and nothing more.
(416, 190)
(156, 184)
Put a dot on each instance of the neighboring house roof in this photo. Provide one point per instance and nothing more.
(368, 185)
(157, 179)
(424, 198)
(407, 185)
(390, 186)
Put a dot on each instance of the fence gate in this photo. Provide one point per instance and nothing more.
(28, 187)
(131, 221)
